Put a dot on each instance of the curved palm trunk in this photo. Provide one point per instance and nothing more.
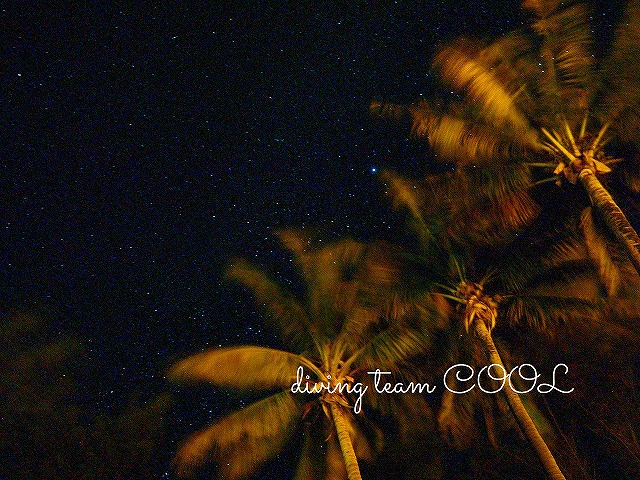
(518, 409)
(348, 453)
(613, 216)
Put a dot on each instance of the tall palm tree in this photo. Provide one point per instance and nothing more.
(539, 283)
(539, 98)
(337, 332)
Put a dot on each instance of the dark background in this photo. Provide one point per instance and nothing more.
(143, 146)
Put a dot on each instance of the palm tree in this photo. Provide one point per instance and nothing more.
(337, 332)
(540, 282)
(538, 98)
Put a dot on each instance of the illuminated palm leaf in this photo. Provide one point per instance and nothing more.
(462, 68)
(244, 440)
(412, 195)
(492, 223)
(466, 142)
(542, 8)
(245, 368)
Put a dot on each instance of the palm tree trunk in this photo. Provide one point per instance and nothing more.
(613, 216)
(518, 409)
(348, 453)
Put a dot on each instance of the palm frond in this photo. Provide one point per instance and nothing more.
(246, 367)
(411, 195)
(396, 345)
(332, 291)
(244, 440)
(463, 69)
(481, 206)
(545, 256)
(465, 142)
(288, 315)
(620, 88)
(492, 223)
(545, 312)
(405, 193)
(332, 274)
(565, 79)
(298, 242)
(494, 184)
(597, 249)
(627, 129)
(358, 325)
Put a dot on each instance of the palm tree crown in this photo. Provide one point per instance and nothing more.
(543, 282)
(539, 98)
(339, 332)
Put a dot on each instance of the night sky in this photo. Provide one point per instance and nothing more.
(143, 147)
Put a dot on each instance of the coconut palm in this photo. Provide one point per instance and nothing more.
(539, 98)
(540, 282)
(336, 332)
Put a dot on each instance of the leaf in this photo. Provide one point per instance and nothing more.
(332, 287)
(464, 141)
(490, 205)
(357, 328)
(329, 273)
(544, 312)
(405, 193)
(546, 255)
(244, 440)
(492, 223)
(565, 78)
(597, 249)
(246, 367)
(287, 313)
(398, 343)
(620, 88)
(462, 68)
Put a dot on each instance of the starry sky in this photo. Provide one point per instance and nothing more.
(144, 146)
